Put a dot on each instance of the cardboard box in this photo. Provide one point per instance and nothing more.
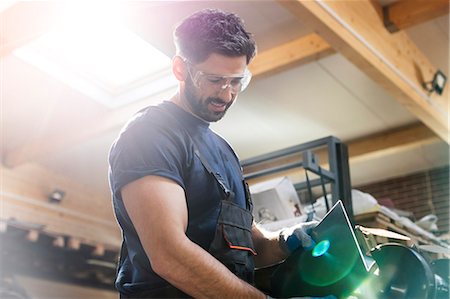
(274, 200)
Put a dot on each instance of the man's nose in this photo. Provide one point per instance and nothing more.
(226, 93)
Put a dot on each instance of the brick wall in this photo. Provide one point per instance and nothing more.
(422, 193)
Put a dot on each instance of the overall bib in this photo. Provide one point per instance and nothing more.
(232, 244)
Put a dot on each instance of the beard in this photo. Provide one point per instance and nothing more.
(200, 108)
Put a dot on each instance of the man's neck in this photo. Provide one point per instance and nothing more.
(181, 102)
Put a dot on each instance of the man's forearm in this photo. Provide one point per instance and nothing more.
(194, 271)
(267, 246)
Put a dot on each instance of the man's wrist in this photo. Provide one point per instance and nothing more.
(282, 242)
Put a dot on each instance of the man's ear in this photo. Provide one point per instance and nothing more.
(179, 68)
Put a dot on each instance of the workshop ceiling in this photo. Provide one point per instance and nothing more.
(338, 88)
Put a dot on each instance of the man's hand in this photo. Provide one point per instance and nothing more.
(297, 236)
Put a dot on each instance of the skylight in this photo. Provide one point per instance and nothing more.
(100, 57)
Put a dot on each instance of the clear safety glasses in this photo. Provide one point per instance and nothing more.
(216, 82)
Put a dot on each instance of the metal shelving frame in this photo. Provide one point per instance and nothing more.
(338, 175)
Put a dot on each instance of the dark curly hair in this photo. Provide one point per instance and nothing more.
(213, 31)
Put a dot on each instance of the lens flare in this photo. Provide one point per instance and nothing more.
(321, 248)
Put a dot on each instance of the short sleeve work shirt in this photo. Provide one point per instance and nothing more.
(160, 140)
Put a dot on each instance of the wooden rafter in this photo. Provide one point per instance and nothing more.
(392, 141)
(365, 148)
(356, 31)
(407, 13)
(291, 54)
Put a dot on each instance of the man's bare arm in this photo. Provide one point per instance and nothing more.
(157, 208)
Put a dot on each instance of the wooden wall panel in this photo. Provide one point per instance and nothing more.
(83, 214)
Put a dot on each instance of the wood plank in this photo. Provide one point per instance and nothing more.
(391, 142)
(58, 224)
(47, 144)
(416, 239)
(361, 149)
(293, 53)
(83, 213)
(34, 182)
(280, 58)
(356, 31)
(407, 13)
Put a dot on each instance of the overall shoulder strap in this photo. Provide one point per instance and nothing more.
(223, 186)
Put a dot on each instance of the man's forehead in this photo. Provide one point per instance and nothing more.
(222, 64)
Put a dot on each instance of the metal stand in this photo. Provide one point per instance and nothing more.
(338, 175)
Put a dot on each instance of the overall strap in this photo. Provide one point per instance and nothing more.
(223, 186)
(216, 175)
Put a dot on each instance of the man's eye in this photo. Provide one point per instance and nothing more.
(236, 81)
(214, 80)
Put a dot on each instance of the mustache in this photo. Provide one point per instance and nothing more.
(218, 101)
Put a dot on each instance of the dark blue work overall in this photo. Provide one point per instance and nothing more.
(232, 244)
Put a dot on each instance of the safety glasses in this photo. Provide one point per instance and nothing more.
(216, 82)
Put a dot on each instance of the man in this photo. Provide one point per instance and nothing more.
(178, 191)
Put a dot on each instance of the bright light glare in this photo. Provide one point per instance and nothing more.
(91, 49)
(321, 248)
(92, 40)
(116, 59)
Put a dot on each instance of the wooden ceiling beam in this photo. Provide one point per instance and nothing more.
(390, 142)
(48, 144)
(274, 60)
(361, 149)
(356, 31)
(407, 13)
(291, 54)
